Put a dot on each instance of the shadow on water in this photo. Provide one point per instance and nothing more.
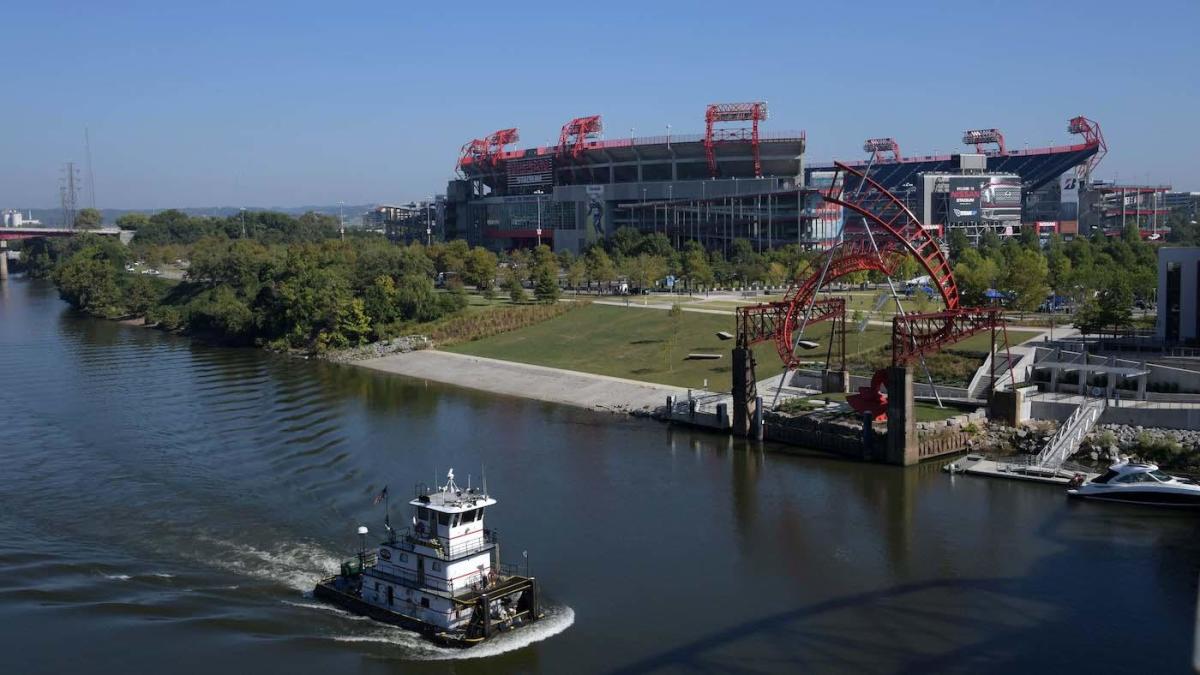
(1047, 619)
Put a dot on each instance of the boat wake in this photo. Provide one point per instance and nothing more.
(296, 565)
(556, 620)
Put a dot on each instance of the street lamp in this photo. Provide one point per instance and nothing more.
(429, 221)
(538, 195)
(668, 136)
(243, 210)
(341, 220)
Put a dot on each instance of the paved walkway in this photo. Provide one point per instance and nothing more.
(584, 390)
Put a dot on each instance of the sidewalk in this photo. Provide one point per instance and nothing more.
(583, 390)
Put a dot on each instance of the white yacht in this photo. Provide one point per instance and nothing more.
(442, 577)
(1138, 483)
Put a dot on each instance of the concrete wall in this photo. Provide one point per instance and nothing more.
(1166, 418)
(811, 379)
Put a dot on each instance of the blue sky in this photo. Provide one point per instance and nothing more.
(263, 103)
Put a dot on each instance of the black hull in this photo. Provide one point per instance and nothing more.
(1143, 498)
(328, 591)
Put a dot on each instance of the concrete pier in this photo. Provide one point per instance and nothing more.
(3, 260)
(903, 447)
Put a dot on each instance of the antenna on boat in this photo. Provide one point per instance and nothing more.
(483, 470)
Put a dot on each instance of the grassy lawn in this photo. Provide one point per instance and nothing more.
(633, 344)
(636, 344)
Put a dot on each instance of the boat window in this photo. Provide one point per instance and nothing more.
(470, 516)
(424, 602)
(1161, 475)
(1109, 475)
(444, 519)
(422, 513)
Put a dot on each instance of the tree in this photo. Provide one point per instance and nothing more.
(354, 326)
(417, 298)
(132, 221)
(88, 279)
(1029, 237)
(516, 292)
(1026, 280)
(600, 267)
(480, 268)
(989, 242)
(696, 271)
(975, 274)
(957, 242)
(1058, 264)
(140, 294)
(626, 242)
(576, 273)
(519, 263)
(380, 300)
(545, 285)
(645, 270)
(1111, 307)
(88, 218)
(451, 257)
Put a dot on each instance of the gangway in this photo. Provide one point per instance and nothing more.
(1066, 441)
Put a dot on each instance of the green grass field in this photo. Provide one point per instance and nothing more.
(629, 343)
(637, 344)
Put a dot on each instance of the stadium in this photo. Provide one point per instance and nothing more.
(740, 180)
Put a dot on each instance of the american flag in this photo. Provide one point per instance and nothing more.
(381, 496)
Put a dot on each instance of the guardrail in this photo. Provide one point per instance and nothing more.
(408, 538)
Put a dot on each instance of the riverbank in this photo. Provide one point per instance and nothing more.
(582, 390)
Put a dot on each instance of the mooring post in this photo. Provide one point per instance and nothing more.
(487, 615)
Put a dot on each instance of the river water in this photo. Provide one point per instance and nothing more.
(167, 505)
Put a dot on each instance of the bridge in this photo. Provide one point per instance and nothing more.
(8, 234)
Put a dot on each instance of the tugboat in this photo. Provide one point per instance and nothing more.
(442, 577)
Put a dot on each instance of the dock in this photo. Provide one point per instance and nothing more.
(1018, 468)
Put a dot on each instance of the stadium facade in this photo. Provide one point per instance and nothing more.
(739, 181)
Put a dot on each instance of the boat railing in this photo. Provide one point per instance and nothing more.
(408, 538)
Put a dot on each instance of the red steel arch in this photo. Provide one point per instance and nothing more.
(896, 230)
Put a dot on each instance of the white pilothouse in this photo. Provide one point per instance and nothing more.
(442, 576)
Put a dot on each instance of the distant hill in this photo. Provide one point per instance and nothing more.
(352, 212)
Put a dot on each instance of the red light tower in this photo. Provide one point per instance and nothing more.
(487, 149)
(723, 113)
(497, 141)
(982, 137)
(575, 134)
(876, 146)
(1090, 130)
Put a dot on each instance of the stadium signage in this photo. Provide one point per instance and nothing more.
(530, 173)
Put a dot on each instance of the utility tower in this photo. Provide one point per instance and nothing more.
(68, 192)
